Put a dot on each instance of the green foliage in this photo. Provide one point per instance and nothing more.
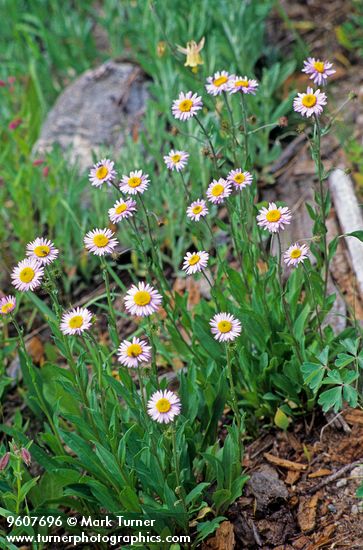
(97, 447)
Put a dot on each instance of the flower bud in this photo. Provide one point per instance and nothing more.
(15, 123)
(4, 461)
(26, 456)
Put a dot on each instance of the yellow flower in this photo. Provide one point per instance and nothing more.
(192, 52)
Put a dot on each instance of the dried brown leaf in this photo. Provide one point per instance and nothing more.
(288, 464)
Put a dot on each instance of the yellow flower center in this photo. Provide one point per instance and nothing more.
(163, 405)
(319, 66)
(295, 253)
(194, 259)
(100, 240)
(76, 321)
(217, 190)
(273, 215)
(42, 251)
(134, 350)
(243, 83)
(239, 178)
(142, 298)
(224, 326)
(101, 172)
(197, 209)
(26, 275)
(221, 80)
(309, 100)
(176, 158)
(7, 307)
(121, 208)
(185, 105)
(134, 181)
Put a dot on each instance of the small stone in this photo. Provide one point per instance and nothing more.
(355, 510)
(266, 487)
(341, 482)
(357, 472)
(332, 508)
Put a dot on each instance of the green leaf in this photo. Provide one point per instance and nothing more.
(281, 420)
(350, 395)
(359, 492)
(343, 360)
(196, 492)
(356, 234)
(313, 374)
(331, 399)
(206, 528)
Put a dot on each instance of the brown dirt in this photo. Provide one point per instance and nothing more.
(283, 510)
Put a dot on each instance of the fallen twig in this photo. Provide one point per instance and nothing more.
(333, 477)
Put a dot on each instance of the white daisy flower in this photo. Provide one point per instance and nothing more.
(225, 327)
(186, 106)
(122, 209)
(76, 321)
(218, 190)
(310, 103)
(100, 241)
(164, 406)
(102, 172)
(27, 275)
(274, 217)
(42, 250)
(242, 84)
(319, 71)
(142, 300)
(239, 179)
(296, 254)
(131, 354)
(135, 182)
(198, 209)
(217, 83)
(7, 304)
(176, 160)
(195, 262)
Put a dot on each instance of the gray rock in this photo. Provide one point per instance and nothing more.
(357, 473)
(267, 488)
(341, 482)
(95, 112)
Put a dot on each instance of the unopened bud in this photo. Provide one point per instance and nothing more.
(15, 123)
(283, 121)
(26, 456)
(4, 461)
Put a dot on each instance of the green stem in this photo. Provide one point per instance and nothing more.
(73, 367)
(322, 199)
(284, 304)
(39, 395)
(185, 186)
(179, 488)
(17, 474)
(234, 400)
(236, 245)
(209, 142)
(216, 247)
(109, 299)
(234, 138)
(141, 386)
(315, 304)
(153, 357)
(245, 128)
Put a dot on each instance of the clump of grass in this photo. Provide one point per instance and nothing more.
(116, 435)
